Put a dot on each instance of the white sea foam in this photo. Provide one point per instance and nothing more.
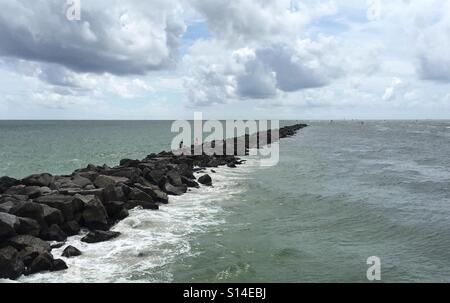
(150, 240)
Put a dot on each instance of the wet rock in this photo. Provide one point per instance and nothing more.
(54, 233)
(27, 255)
(103, 181)
(91, 175)
(8, 226)
(155, 176)
(82, 182)
(174, 178)
(57, 245)
(58, 265)
(114, 193)
(137, 194)
(129, 163)
(71, 228)
(71, 251)
(28, 226)
(94, 214)
(154, 192)
(7, 182)
(11, 266)
(68, 205)
(42, 180)
(189, 182)
(131, 173)
(231, 165)
(30, 191)
(144, 204)
(23, 241)
(116, 210)
(43, 262)
(175, 190)
(99, 236)
(205, 180)
(30, 210)
(52, 215)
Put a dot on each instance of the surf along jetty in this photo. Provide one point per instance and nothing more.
(39, 212)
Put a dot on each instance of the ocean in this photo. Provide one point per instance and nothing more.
(343, 191)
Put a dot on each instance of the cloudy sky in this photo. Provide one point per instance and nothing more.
(165, 59)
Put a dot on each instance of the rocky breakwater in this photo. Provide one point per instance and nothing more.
(39, 212)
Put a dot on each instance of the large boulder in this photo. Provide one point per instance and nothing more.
(58, 265)
(28, 226)
(174, 178)
(116, 210)
(81, 181)
(175, 190)
(31, 192)
(42, 180)
(30, 210)
(54, 233)
(23, 241)
(11, 266)
(68, 205)
(154, 192)
(7, 182)
(91, 175)
(114, 193)
(205, 180)
(71, 228)
(103, 181)
(8, 226)
(43, 262)
(189, 182)
(131, 173)
(52, 215)
(71, 251)
(94, 214)
(99, 236)
(129, 163)
(155, 175)
(137, 194)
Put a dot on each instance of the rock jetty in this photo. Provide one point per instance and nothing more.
(41, 209)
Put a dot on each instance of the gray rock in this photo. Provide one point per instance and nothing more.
(52, 215)
(205, 180)
(144, 204)
(54, 233)
(71, 251)
(68, 205)
(7, 182)
(8, 226)
(58, 265)
(43, 262)
(103, 181)
(174, 178)
(28, 226)
(81, 181)
(30, 210)
(94, 214)
(23, 241)
(99, 236)
(137, 194)
(175, 190)
(11, 266)
(39, 180)
(71, 228)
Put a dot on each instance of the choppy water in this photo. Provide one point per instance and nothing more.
(341, 193)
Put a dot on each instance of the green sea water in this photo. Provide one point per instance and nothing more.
(342, 192)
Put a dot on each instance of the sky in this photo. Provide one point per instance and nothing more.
(229, 59)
